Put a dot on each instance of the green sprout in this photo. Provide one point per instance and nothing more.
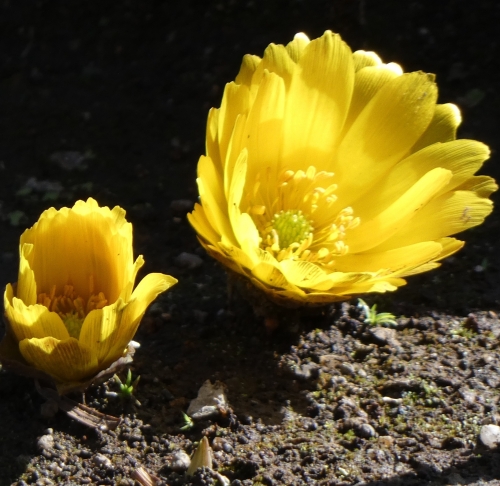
(126, 391)
(374, 318)
(188, 422)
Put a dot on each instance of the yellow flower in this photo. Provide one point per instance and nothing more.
(72, 312)
(329, 173)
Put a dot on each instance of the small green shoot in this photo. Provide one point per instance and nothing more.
(374, 318)
(126, 392)
(127, 388)
(188, 422)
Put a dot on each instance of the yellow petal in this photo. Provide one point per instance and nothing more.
(367, 83)
(243, 226)
(483, 186)
(67, 361)
(236, 146)
(31, 321)
(148, 289)
(247, 69)
(442, 128)
(317, 103)
(448, 245)
(296, 47)
(398, 214)
(446, 215)
(364, 59)
(264, 128)
(393, 260)
(70, 245)
(212, 140)
(26, 284)
(212, 198)
(384, 132)
(310, 276)
(305, 275)
(99, 329)
(201, 225)
(277, 60)
(371, 233)
(462, 157)
(127, 288)
(234, 102)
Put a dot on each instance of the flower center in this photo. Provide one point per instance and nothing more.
(71, 307)
(288, 227)
(308, 223)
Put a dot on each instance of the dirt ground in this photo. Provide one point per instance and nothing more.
(109, 99)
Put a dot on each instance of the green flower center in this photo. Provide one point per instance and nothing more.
(73, 324)
(291, 227)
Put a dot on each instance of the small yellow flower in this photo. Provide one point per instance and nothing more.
(329, 173)
(73, 310)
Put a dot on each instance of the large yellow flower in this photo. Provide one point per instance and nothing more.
(329, 173)
(72, 312)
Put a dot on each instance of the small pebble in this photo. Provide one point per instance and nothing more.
(210, 400)
(366, 431)
(393, 402)
(468, 395)
(102, 461)
(490, 436)
(180, 462)
(347, 369)
(305, 371)
(386, 441)
(45, 442)
(385, 335)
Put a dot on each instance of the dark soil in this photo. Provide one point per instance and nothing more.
(324, 399)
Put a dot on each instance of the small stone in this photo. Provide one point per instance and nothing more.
(102, 461)
(219, 444)
(366, 431)
(210, 400)
(385, 335)
(84, 453)
(393, 402)
(189, 261)
(45, 442)
(490, 436)
(305, 371)
(227, 448)
(56, 470)
(386, 441)
(468, 395)
(347, 369)
(44, 482)
(180, 462)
